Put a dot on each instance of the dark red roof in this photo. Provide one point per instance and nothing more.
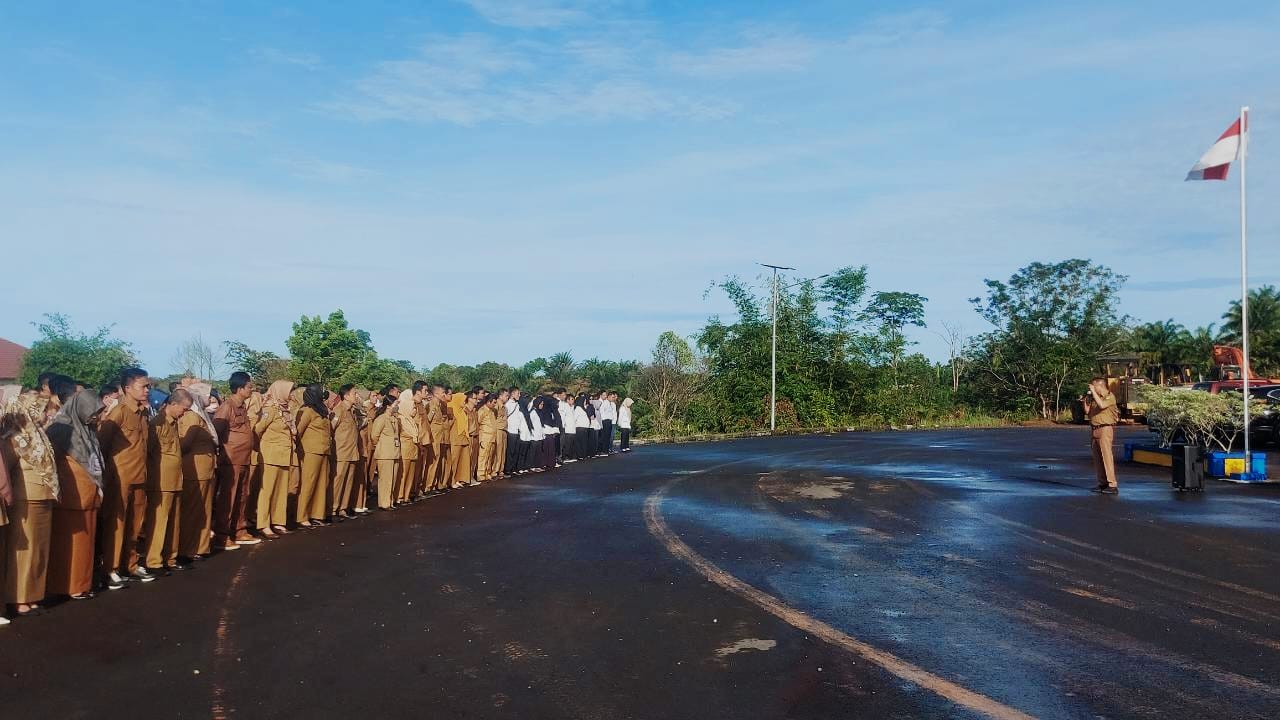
(11, 354)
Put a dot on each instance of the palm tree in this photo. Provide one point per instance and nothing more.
(1157, 343)
(559, 368)
(1264, 328)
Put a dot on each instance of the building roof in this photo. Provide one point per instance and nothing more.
(11, 354)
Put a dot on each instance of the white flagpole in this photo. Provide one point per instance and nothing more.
(1244, 287)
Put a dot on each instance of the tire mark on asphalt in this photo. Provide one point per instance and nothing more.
(223, 648)
(902, 669)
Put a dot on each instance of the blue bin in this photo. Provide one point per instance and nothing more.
(1218, 461)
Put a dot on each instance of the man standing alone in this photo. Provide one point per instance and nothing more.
(1100, 408)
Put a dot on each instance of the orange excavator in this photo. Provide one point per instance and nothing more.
(1231, 368)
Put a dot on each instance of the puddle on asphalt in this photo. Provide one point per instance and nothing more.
(745, 645)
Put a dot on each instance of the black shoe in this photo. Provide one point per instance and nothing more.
(1102, 490)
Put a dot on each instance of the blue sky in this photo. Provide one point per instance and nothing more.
(482, 179)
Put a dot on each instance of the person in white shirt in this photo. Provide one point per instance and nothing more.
(624, 424)
(514, 420)
(608, 415)
(568, 445)
(585, 437)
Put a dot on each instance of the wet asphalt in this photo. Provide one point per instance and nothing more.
(631, 587)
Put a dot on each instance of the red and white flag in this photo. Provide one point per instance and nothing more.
(1214, 164)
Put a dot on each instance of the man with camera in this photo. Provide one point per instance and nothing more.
(1103, 413)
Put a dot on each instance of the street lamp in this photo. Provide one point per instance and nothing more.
(773, 354)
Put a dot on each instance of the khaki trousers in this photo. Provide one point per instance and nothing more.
(123, 513)
(364, 478)
(487, 449)
(460, 462)
(475, 458)
(408, 468)
(197, 512)
(313, 490)
(344, 478)
(388, 475)
(432, 478)
(232, 499)
(1104, 461)
(163, 527)
(25, 564)
(499, 454)
(273, 497)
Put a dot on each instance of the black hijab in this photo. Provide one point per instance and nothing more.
(313, 397)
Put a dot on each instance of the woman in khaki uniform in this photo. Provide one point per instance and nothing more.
(407, 411)
(75, 517)
(276, 433)
(385, 435)
(29, 458)
(198, 439)
(315, 435)
(346, 445)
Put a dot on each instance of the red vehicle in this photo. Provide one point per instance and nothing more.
(1230, 362)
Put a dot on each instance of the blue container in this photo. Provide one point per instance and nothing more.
(1231, 465)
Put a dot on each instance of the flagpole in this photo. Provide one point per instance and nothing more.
(1244, 287)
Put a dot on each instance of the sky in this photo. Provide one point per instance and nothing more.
(480, 180)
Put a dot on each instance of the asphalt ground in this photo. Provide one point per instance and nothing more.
(897, 575)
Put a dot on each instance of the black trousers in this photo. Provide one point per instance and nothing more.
(512, 454)
(525, 460)
(586, 441)
(569, 446)
(625, 442)
(606, 436)
(549, 452)
(559, 449)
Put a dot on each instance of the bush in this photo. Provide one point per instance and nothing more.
(1194, 417)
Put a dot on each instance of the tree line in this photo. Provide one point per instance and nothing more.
(844, 354)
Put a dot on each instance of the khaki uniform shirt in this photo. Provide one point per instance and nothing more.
(124, 435)
(274, 439)
(438, 418)
(235, 431)
(1104, 411)
(424, 423)
(165, 455)
(199, 451)
(346, 433)
(386, 436)
(315, 433)
(491, 424)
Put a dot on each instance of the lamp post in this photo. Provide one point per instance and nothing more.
(773, 353)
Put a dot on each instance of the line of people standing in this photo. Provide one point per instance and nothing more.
(98, 490)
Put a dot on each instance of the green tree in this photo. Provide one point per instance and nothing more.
(1052, 322)
(1264, 328)
(560, 369)
(668, 384)
(263, 366)
(93, 359)
(328, 351)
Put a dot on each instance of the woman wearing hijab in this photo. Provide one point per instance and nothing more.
(624, 425)
(33, 474)
(407, 411)
(315, 435)
(385, 435)
(198, 439)
(547, 423)
(6, 499)
(584, 443)
(276, 431)
(74, 438)
(460, 440)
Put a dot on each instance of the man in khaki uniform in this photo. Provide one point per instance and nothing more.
(164, 482)
(421, 394)
(346, 442)
(123, 435)
(459, 442)
(199, 463)
(491, 425)
(473, 432)
(1100, 407)
(500, 447)
(436, 417)
(451, 414)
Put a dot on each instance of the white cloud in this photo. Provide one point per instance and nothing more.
(474, 78)
(326, 171)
